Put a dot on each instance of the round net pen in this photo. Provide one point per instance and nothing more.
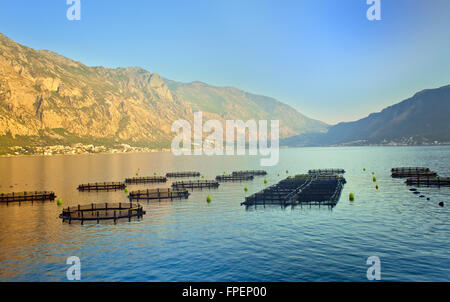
(235, 177)
(159, 194)
(103, 211)
(250, 172)
(145, 180)
(199, 184)
(102, 186)
(27, 197)
(183, 174)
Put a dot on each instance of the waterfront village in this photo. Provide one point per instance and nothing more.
(79, 149)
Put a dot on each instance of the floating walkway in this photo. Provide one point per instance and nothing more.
(102, 186)
(159, 194)
(27, 196)
(145, 180)
(237, 177)
(250, 172)
(428, 181)
(182, 174)
(196, 184)
(301, 189)
(104, 211)
(326, 171)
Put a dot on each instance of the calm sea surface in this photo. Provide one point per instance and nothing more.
(190, 240)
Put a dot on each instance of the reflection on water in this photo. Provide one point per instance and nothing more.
(191, 240)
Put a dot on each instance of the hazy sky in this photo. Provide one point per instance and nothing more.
(323, 57)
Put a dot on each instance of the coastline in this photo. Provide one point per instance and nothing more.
(166, 150)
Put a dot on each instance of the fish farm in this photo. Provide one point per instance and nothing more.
(250, 172)
(428, 181)
(406, 172)
(102, 186)
(199, 184)
(241, 177)
(183, 174)
(301, 189)
(159, 194)
(144, 180)
(105, 211)
(27, 196)
(327, 171)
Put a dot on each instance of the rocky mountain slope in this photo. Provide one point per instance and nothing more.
(421, 119)
(47, 99)
(230, 103)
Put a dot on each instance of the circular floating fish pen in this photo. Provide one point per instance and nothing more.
(103, 211)
(103, 186)
(27, 196)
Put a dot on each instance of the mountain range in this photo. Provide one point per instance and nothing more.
(48, 99)
(423, 119)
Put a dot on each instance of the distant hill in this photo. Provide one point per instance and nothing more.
(422, 119)
(47, 99)
(229, 103)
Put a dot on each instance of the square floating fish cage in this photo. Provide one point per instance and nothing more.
(301, 189)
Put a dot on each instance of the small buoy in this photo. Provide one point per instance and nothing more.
(364, 169)
(428, 198)
(441, 204)
(246, 189)
(373, 173)
(287, 171)
(203, 176)
(137, 174)
(126, 190)
(376, 187)
(351, 197)
(209, 199)
(374, 179)
(59, 202)
(155, 173)
(265, 181)
(278, 174)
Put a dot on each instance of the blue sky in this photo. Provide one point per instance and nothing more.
(323, 57)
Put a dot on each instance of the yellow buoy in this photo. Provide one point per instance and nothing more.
(351, 197)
